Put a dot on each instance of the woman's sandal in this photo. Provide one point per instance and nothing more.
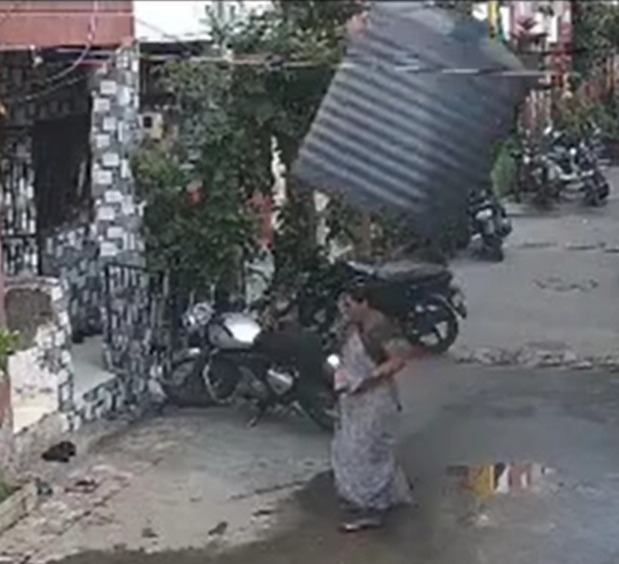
(362, 523)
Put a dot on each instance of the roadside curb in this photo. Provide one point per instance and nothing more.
(535, 358)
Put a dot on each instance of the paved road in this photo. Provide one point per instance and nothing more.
(558, 288)
(199, 487)
(203, 480)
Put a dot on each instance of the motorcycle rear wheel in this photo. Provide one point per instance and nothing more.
(493, 251)
(425, 331)
(221, 378)
(318, 401)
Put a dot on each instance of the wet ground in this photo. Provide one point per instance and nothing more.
(509, 466)
(557, 289)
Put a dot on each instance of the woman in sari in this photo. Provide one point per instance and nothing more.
(368, 480)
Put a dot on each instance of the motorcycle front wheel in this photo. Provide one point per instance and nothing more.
(433, 325)
(592, 196)
(493, 250)
(184, 386)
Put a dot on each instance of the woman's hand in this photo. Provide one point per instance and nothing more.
(386, 370)
(390, 368)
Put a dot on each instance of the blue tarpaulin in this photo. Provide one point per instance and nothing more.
(412, 116)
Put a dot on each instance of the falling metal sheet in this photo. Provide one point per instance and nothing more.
(407, 127)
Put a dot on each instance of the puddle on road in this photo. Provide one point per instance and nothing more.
(488, 480)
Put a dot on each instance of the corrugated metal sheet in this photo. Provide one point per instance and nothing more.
(400, 131)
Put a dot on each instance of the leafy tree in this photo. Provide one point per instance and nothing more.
(228, 115)
(595, 32)
(197, 219)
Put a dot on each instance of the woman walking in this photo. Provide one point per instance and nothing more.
(368, 480)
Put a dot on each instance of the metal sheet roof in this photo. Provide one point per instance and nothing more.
(405, 126)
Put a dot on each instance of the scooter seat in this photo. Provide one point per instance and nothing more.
(403, 271)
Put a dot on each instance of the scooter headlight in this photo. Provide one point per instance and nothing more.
(197, 316)
(484, 215)
(334, 361)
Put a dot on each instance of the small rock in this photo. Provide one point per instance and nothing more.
(149, 533)
(120, 547)
(219, 529)
(484, 356)
(44, 489)
(584, 365)
(569, 357)
(84, 486)
(482, 520)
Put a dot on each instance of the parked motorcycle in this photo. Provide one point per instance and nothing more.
(488, 223)
(422, 297)
(533, 176)
(230, 356)
(574, 166)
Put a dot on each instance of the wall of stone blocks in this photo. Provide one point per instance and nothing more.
(37, 308)
(72, 256)
(70, 252)
(40, 372)
(115, 134)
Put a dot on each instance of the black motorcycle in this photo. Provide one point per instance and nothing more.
(533, 175)
(229, 356)
(574, 166)
(423, 297)
(488, 223)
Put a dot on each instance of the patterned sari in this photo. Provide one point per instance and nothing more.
(367, 476)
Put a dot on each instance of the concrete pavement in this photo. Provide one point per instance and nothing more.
(201, 487)
(555, 299)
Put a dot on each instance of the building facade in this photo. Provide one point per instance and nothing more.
(69, 84)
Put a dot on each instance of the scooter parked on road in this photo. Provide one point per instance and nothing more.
(489, 224)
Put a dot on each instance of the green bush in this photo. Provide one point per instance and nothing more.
(505, 169)
(9, 342)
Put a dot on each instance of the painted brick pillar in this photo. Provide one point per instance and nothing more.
(114, 135)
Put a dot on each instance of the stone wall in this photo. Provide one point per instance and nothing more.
(72, 256)
(115, 134)
(41, 372)
(68, 253)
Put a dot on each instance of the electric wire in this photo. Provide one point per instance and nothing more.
(259, 60)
